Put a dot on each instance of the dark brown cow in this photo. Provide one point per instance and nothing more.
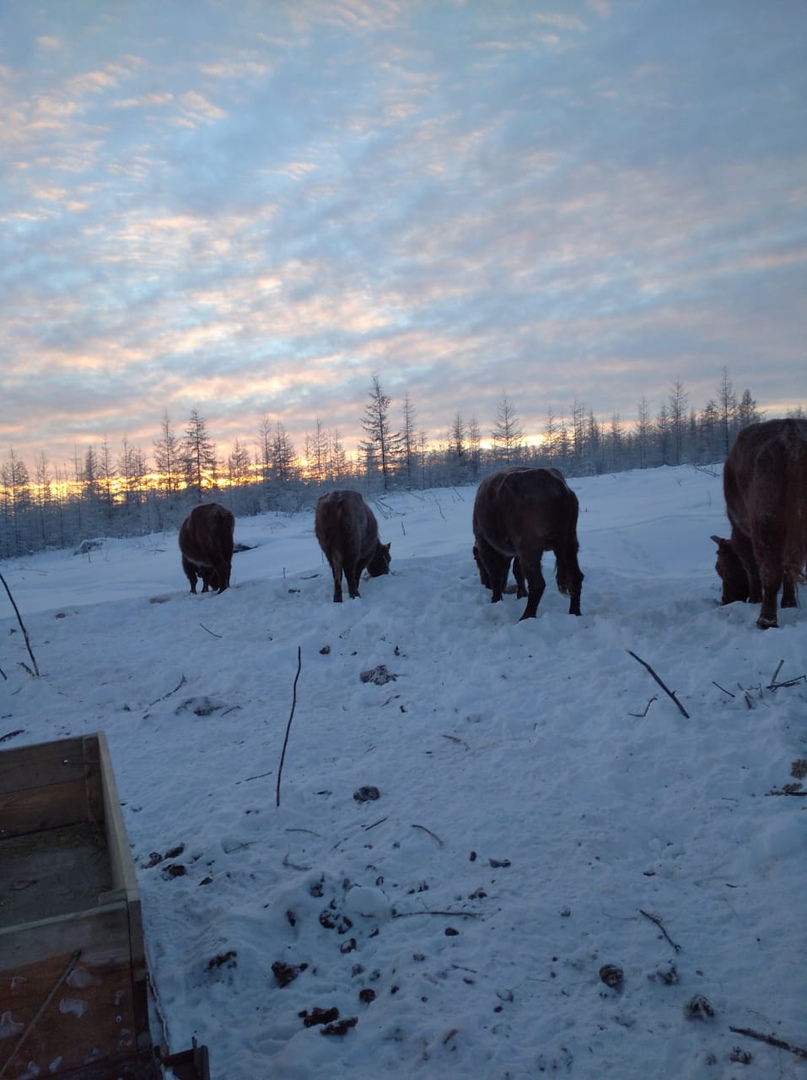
(348, 534)
(206, 543)
(521, 513)
(765, 484)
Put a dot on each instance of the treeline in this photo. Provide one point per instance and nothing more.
(124, 494)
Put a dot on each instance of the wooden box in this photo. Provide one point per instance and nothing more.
(73, 982)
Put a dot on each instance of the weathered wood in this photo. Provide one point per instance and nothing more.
(73, 980)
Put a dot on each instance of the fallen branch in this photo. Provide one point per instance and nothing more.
(433, 835)
(288, 725)
(642, 715)
(212, 634)
(771, 1040)
(666, 689)
(725, 691)
(450, 914)
(178, 686)
(655, 919)
(22, 625)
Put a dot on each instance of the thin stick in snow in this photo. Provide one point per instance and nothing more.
(666, 689)
(288, 725)
(655, 919)
(22, 625)
(771, 1040)
(433, 835)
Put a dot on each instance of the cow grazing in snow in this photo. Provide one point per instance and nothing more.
(519, 513)
(347, 532)
(765, 485)
(206, 544)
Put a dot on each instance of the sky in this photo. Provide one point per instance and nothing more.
(248, 209)
(544, 808)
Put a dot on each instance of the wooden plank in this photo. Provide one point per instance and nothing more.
(120, 856)
(49, 785)
(35, 809)
(66, 985)
(42, 764)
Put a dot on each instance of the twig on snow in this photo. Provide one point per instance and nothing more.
(642, 715)
(771, 1040)
(288, 725)
(450, 914)
(212, 634)
(666, 689)
(22, 625)
(178, 686)
(655, 919)
(725, 691)
(433, 835)
(774, 685)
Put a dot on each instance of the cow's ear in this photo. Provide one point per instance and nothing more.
(718, 540)
(386, 547)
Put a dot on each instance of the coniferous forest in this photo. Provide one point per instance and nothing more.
(125, 491)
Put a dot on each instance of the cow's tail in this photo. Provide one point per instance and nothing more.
(795, 553)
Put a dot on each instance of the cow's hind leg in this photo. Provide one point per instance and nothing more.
(336, 570)
(190, 573)
(789, 596)
(770, 589)
(353, 573)
(535, 586)
(496, 567)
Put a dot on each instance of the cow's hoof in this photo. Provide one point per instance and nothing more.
(766, 623)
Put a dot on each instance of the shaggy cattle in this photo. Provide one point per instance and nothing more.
(206, 543)
(521, 513)
(765, 485)
(348, 534)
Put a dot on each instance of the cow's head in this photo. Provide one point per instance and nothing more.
(731, 571)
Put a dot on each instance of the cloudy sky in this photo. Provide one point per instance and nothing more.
(247, 207)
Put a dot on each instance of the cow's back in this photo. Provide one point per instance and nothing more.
(344, 523)
(522, 501)
(765, 472)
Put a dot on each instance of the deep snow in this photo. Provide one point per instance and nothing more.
(540, 795)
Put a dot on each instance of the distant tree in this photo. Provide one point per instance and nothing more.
(16, 503)
(409, 448)
(131, 468)
(663, 435)
(264, 452)
(747, 412)
(550, 436)
(337, 458)
(382, 444)
(578, 435)
(727, 405)
(168, 458)
(644, 433)
(615, 444)
(283, 456)
(239, 464)
(474, 446)
(198, 454)
(678, 402)
(507, 433)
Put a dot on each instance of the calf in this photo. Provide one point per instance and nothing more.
(206, 544)
(348, 535)
(765, 485)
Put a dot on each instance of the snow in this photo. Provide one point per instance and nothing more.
(540, 795)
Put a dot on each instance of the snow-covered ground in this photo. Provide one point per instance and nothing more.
(544, 806)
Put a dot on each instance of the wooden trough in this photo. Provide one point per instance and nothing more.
(74, 999)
